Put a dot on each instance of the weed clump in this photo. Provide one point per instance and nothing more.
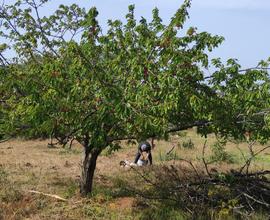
(8, 192)
(168, 157)
(188, 144)
(219, 154)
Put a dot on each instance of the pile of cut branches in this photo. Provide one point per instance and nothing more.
(193, 190)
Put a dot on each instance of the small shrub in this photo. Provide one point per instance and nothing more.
(95, 211)
(219, 153)
(10, 195)
(8, 192)
(71, 189)
(182, 133)
(188, 144)
(161, 212)
(169, 157)
(41, 203)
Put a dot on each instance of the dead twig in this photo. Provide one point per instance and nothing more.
(170, 150)
(253, 155)
(182, 185)
(256, 200)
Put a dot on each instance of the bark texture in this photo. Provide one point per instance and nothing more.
(88, 169)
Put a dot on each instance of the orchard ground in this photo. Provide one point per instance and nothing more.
(31, 165)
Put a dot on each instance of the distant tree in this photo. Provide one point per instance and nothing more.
(140, 79)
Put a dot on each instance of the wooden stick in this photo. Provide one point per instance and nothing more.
(256, 200)
(49, 195)
(170, 150)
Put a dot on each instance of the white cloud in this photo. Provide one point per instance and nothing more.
(233, 4)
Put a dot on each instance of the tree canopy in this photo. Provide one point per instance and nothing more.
(140, 79)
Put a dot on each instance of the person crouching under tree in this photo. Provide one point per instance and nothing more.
(146, 147)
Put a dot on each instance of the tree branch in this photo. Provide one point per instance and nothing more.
(43, 34)
(204, 161)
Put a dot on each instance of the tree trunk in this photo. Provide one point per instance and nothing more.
(88, 168)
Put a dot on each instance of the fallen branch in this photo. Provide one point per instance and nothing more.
(196, 190)
(249, 160)
(255, 200)
(254, 174)
(49, 195)
(5, 140)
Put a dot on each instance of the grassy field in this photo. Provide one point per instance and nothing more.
(31, 165)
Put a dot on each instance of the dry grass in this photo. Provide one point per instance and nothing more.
(31, 165)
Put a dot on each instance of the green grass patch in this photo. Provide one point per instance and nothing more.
(9, 192)
(168, 157)
(71, 151)
(188, 144)
(263, 158)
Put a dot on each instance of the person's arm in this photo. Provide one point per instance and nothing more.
(138, 155)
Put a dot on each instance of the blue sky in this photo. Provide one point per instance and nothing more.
(243, 23)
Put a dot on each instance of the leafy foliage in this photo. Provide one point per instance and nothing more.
(140, 79)
(219, 154)
(136, 80)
